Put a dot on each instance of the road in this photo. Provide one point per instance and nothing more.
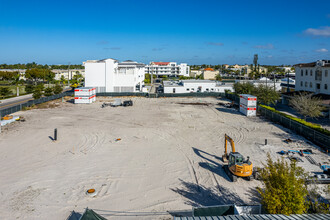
(19, 100)
(14, 101)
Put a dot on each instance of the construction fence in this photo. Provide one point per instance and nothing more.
(315, 136)
(19, 107)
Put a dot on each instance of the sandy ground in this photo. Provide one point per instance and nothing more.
(168, 158)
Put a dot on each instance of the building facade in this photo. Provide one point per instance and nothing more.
(109, 75)
(167, 69)
(191, 86)
(313, 77)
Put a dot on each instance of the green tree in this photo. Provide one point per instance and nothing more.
(37, 92)
(29, 88)
(266, 94)
(58, 89)
(243, 88)
(218, 77)
(48, 91)
(147, 78)
(306, 105)
(284, 190)
(34, 74)
(4, 91)
(16, 82)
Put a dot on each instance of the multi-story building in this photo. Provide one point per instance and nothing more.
(167, 69)
(109, 75)
(313, 77)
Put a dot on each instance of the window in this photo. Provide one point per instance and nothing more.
(192, 89)
(326, 73)
(301, 84)
(305, 84)
(207, 90)
(306, 73)
(187, 89)
(302, 73)
(311, 85)
(326, 86)
(318, 86)
(212, 89)
(311, 72)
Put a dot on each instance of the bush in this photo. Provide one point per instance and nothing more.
(284, 189)
(37, 93)
(4, 91)
(58, 89)
(29, 88)
(301, 121)
(48, 92)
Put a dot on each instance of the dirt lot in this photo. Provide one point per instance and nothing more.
(168, 158)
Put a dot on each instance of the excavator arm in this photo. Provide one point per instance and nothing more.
(227, 138)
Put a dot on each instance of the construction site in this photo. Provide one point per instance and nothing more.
(147, 160)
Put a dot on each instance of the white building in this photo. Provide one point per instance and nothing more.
(189, 86)
(263, 81)
(313, 77)
(167, 69)
(109, 75)
(68, 74)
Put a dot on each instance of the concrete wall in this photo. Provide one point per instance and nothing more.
(95, 75)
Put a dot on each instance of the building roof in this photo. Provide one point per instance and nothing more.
(130, 63)
(161, 63)
(209, 69)
(260, 217)
(326, 63)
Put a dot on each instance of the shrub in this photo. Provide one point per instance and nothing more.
(48, 92)
(37, 93)
(58, 89)
(4, 91)
(29, 88)
(301, 121)
(284, 189)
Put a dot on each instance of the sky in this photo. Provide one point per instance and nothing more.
(193, 32)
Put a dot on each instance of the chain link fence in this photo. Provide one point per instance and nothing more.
(19, 107)
(313, 135)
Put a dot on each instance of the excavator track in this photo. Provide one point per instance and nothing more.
(232, 177)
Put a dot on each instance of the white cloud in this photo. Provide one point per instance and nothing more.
(266, 46)
(323, 50)
(319, 32)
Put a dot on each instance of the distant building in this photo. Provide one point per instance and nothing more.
(313, 77)
(195, 73)
(209, 73)
(191, 86)
(109, 75)
(167, 69)
(264, 81)
(68, 74)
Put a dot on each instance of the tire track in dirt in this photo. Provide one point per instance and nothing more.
(191, 169)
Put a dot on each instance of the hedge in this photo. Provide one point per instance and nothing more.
(301, 121)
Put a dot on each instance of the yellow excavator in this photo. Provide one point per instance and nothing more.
(235, 164)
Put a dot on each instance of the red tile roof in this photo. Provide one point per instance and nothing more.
(161, 63)
(209, 69)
